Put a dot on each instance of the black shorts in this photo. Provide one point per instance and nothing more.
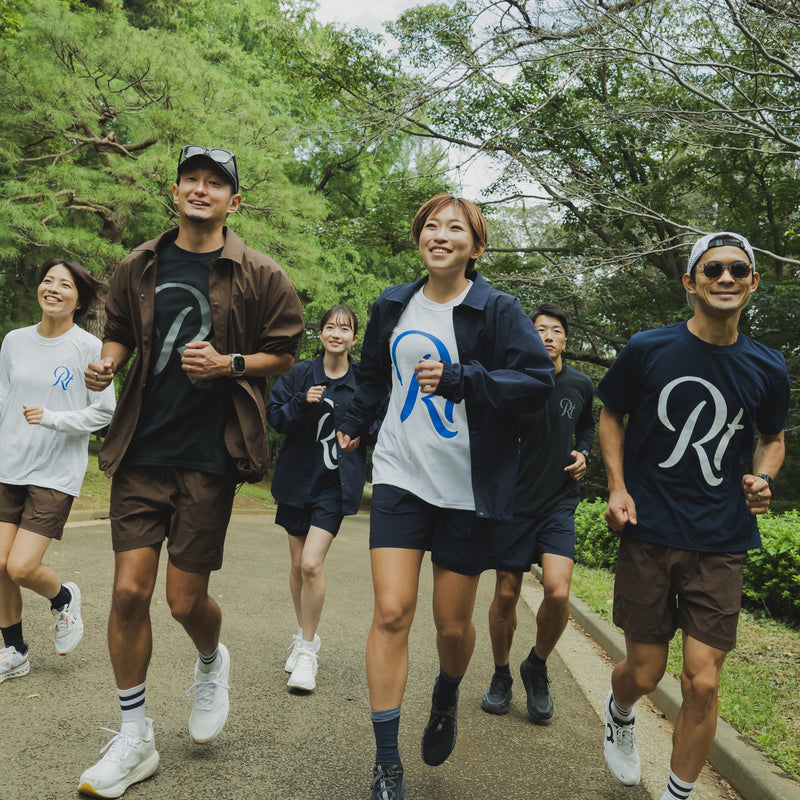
(35, 509)
(660, 589)
(458, 540)
(190, 509)
(522, 541)
(325, 513)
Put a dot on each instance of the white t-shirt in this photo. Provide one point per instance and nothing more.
(37, 371)
(423, 444)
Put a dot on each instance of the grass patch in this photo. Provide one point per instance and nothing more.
(758, 692)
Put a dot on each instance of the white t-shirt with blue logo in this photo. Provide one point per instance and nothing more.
(423, 444)
(39, 371)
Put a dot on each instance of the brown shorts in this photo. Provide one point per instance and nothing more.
(659, 589)
(190, 509)
(35, 509)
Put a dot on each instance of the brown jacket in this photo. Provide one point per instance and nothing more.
(254, 309)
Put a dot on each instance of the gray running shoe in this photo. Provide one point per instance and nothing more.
(540, 704)
(388, 782)
(498, 698)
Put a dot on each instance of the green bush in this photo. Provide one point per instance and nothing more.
(595, 544)
(771, 573)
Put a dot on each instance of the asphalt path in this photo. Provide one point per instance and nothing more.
(283, 746)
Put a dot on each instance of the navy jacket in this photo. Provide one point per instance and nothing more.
(290, 414)
(504, 369)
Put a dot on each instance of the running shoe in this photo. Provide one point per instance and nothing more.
(68, 623)
(210, 692)
(291, 661)
(439, 736)
(13, 664)
(128, 758)
(388, 782)
(305, 670)
(537, 688)
(619, 747)
(498, 698)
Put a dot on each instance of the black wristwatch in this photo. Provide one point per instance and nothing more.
(584, 453)
(765, 477)
(237, 365)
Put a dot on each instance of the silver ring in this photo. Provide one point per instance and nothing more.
(95, 376)
(758, 495)
(188, 367)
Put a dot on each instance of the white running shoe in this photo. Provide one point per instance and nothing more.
(305, 670)
(128, 758)
(291, 661)
(619, 747)
(13, 664)
(210, 692)
(68, 623)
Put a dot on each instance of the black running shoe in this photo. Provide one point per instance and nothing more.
(498, 698)
(540, 704)
(439, 736)
(388, 782)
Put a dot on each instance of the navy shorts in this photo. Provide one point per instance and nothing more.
(458, 540)
(521, 542)
(325, 513)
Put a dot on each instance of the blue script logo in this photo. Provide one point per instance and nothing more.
(62, 376)
(428, 399)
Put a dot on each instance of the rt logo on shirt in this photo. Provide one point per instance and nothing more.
(62, 376)
(688, 432)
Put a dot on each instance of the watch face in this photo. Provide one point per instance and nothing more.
(238, 365)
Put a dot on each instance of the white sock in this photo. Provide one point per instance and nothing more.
(676, 788)
(207, 664)
(131, 703)
(622, 714)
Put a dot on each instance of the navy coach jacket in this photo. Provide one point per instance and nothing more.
(504, 368)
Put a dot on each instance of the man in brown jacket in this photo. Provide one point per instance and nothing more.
(208, 319)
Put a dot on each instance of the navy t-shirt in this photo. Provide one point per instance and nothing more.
(694, 411)
(182, 421)
(324, 479)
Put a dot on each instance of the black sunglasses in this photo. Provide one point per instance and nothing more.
(739, 270)
(215, 153)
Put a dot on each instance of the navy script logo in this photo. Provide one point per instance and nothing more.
(62, 376)
(428, 399)
(702, 442)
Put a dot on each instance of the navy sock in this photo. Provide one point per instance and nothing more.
(386, 725)
(445, 690)
(63, 598)
(534, 660)
(12, 637)
(505, 669)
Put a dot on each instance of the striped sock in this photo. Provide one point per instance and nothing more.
(676, 788)
(131, 703)
(207, 662)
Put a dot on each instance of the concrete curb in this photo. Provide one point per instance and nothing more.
(749, 772)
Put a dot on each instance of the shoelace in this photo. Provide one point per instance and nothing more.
(388, 785)
(203, 692)
(61, 619)
(295, 641)
(626, 738)
(118, 747)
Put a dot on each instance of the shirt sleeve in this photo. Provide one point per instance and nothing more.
(84, 420)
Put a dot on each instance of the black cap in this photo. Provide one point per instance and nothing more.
(224, 161)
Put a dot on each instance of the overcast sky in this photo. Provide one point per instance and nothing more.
(367, 14)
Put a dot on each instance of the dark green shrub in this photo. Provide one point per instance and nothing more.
(595, 544)
(772, 573)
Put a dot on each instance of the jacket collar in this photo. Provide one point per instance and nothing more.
(319, 376)
(232, 250)
(476, 296)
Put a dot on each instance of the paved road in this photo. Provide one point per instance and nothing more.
(280, 746)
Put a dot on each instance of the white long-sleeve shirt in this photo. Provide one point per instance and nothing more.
(37, 371)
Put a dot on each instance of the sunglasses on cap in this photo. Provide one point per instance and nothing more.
(225, 158)
(739, 270)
